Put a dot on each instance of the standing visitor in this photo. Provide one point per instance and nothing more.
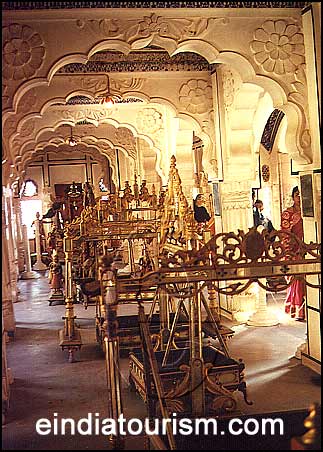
(291, 220)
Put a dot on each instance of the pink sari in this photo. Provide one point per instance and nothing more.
(295, 301)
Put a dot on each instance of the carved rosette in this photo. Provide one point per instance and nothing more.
(23, 52)
(278, 46)
(149, 120)
(196, 96)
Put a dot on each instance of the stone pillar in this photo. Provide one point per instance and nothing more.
(9, 224)
(7, 378)
(39, 265)
(184, 141)
(28, 273)
(262, 316)
(9, 322)
(236, 202)
(20, 240)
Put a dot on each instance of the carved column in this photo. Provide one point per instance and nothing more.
(7, 378)
(9, 223)
(236, 204)
(262, 316)
(9, 322)
(20, 240)
(39, 265)
(184, 141)
(28, 273)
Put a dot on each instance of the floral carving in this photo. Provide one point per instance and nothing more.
(176, 29)
(278, 47)
(125, 85)
(195, 96)
(149, 120)
(96, 84)
(97, 115)
(5, 96)
(107, 27)
(230, 89)
(299, 95)
(23, 52)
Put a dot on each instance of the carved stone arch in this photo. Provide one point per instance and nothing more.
(210, 164)
(297, 137)
(110, 44)
(199, 46)
(47, 106)
(73, 122)
(92, 149)
(297, 134)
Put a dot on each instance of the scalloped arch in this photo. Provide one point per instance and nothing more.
(92, 149)
(248, 75)
(110, 44)
(199, 46)
(208, 51)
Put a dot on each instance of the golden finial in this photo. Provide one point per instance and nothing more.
(313, 423)
(173, 161)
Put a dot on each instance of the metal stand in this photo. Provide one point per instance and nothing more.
(70, 337)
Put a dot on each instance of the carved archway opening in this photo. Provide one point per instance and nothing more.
(140, 34)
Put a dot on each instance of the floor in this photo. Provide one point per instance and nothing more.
(45, 383)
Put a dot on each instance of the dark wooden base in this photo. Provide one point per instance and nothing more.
(58, 298)
(223, 377)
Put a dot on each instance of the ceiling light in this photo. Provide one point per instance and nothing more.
(74, 191)
(72, 140)
(108, 99)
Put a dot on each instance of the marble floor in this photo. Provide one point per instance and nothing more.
(45, 383)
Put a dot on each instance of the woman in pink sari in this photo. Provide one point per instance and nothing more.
(291, 220)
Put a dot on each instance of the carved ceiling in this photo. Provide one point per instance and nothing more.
(150, 5)
(150, 59)
(147, 60)
(185, 94)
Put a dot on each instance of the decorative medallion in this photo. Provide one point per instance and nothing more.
(253, 245)
(23, 52)
(149, 120)
(196, 96)
(278, 47)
